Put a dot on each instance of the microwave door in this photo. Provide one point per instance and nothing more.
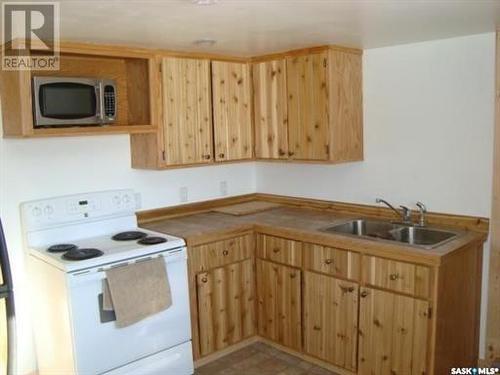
(68, 103)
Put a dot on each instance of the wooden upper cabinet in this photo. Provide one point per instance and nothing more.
(308, 127)
(187, 111)
(270, 109)
(232, 110)
(345, 106)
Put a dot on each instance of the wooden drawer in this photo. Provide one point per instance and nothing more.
(397, 276)
(279, 250)
(332, 261)
(220, 253)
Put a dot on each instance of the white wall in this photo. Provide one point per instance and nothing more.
(40, 168)
(428, 134)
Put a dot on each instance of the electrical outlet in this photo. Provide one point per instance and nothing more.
(183, 194)
(223, 188)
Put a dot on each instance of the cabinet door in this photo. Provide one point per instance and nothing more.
(330, 319)
(308, 128)
(187, 111)
(226, 306)
(232, 100)
(270, 110)
(392, 333)
(279, 303)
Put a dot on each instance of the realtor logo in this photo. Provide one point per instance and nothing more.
(30, 36)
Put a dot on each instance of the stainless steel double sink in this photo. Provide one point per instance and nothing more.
(423, 237)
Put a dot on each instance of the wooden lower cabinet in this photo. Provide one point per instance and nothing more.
(226, 305)
(330, 319)
(393, 331)
(279, 307)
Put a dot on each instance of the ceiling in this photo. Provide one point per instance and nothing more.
(253, 27)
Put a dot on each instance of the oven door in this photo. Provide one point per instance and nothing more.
(100, 346)
(65, 101)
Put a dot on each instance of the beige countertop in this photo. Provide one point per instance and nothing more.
(303, 224)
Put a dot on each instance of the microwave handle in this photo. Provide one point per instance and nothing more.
(99, 105)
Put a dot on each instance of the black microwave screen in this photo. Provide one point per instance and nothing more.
(65, 100)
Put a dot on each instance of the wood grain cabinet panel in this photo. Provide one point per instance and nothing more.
(232, 109)
(393, 333)
(336, 262)
(397, 276)
(270, 109)
(345, 106)
(226, 306)
(220, 253)
(330, 319)
(187, 111)
(308, 127)
(279, 250)
(279, 303)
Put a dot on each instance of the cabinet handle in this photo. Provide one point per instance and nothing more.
(281, 152)
(221, 155)
(317, 328)
(394, 276)
(204, 280)
(346, 289)
(292, 276)
(363, 294)
(207, 157)
(328, 261)
(290, 153)
(276, 250)
(225, 252)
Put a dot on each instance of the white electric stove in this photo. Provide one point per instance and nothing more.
(72, 241)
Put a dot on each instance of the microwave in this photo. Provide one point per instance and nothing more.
(70, 101)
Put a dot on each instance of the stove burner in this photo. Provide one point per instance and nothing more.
(129, 236)
(62, 247)
(152, 240)
(82, 254)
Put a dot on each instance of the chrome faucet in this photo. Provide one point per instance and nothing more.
(423, 211)
(404, 214)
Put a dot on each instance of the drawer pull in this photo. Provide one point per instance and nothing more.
(225, 252)
(276, 250)
(394, 276)
(292, 275)
(317, 328)
(346, 289)
(328, 261)
(204, 280)
(221, 155)
(363, 294)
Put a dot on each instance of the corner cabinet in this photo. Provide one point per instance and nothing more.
(309, 106)
(232, 100)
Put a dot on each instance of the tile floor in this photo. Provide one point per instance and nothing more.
(260, 359)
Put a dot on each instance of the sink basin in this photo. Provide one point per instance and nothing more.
(417, 236)
(422, 236)
(361, 227)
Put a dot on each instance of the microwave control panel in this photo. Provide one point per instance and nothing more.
(109, 103)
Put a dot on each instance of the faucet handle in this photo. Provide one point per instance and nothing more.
(406, 213)
(421, 206)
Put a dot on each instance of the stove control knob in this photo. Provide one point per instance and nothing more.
(116, 200)
(37, 211)
(126, 199)
(48, 210)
